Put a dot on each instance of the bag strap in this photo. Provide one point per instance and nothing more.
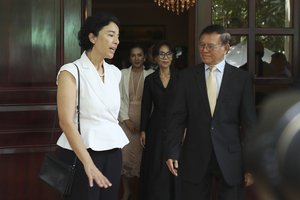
(78, 109)
(78, 100)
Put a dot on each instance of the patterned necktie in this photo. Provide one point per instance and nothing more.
(211, 84)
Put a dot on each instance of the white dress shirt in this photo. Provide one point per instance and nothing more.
(218, 73)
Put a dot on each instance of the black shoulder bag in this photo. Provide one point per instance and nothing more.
(55, 172)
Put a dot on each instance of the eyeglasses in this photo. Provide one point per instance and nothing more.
(209, 47)
(168, 54)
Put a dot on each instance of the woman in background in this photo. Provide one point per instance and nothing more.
(98, 145)
(156, 181)
(131, 89)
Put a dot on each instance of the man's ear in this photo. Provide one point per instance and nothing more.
(227, 48)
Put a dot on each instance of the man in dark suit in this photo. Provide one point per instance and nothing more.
(215, 128)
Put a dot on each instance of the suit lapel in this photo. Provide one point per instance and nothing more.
(172, 78)
(224, 85)
(201, 84)
(157, 79)
(126, 80)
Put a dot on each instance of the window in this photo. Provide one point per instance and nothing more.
(264, 39)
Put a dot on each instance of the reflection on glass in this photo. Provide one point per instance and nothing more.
(230, 13)
(29, 40)
(273, 56)
(280, 63)
(273, 14)
(237, 55)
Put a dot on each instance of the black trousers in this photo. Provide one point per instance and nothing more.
(108, 162)
(212, 186)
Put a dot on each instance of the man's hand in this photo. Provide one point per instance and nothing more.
(143, 139)
(173, 166)
(249, 180)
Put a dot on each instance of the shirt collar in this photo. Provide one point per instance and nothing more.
(88, 62)
(220, 66)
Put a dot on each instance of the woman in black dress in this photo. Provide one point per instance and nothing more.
(156, 182)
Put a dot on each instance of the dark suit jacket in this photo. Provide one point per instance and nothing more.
(235, 108)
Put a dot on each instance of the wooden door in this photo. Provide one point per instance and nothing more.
(37, 37)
